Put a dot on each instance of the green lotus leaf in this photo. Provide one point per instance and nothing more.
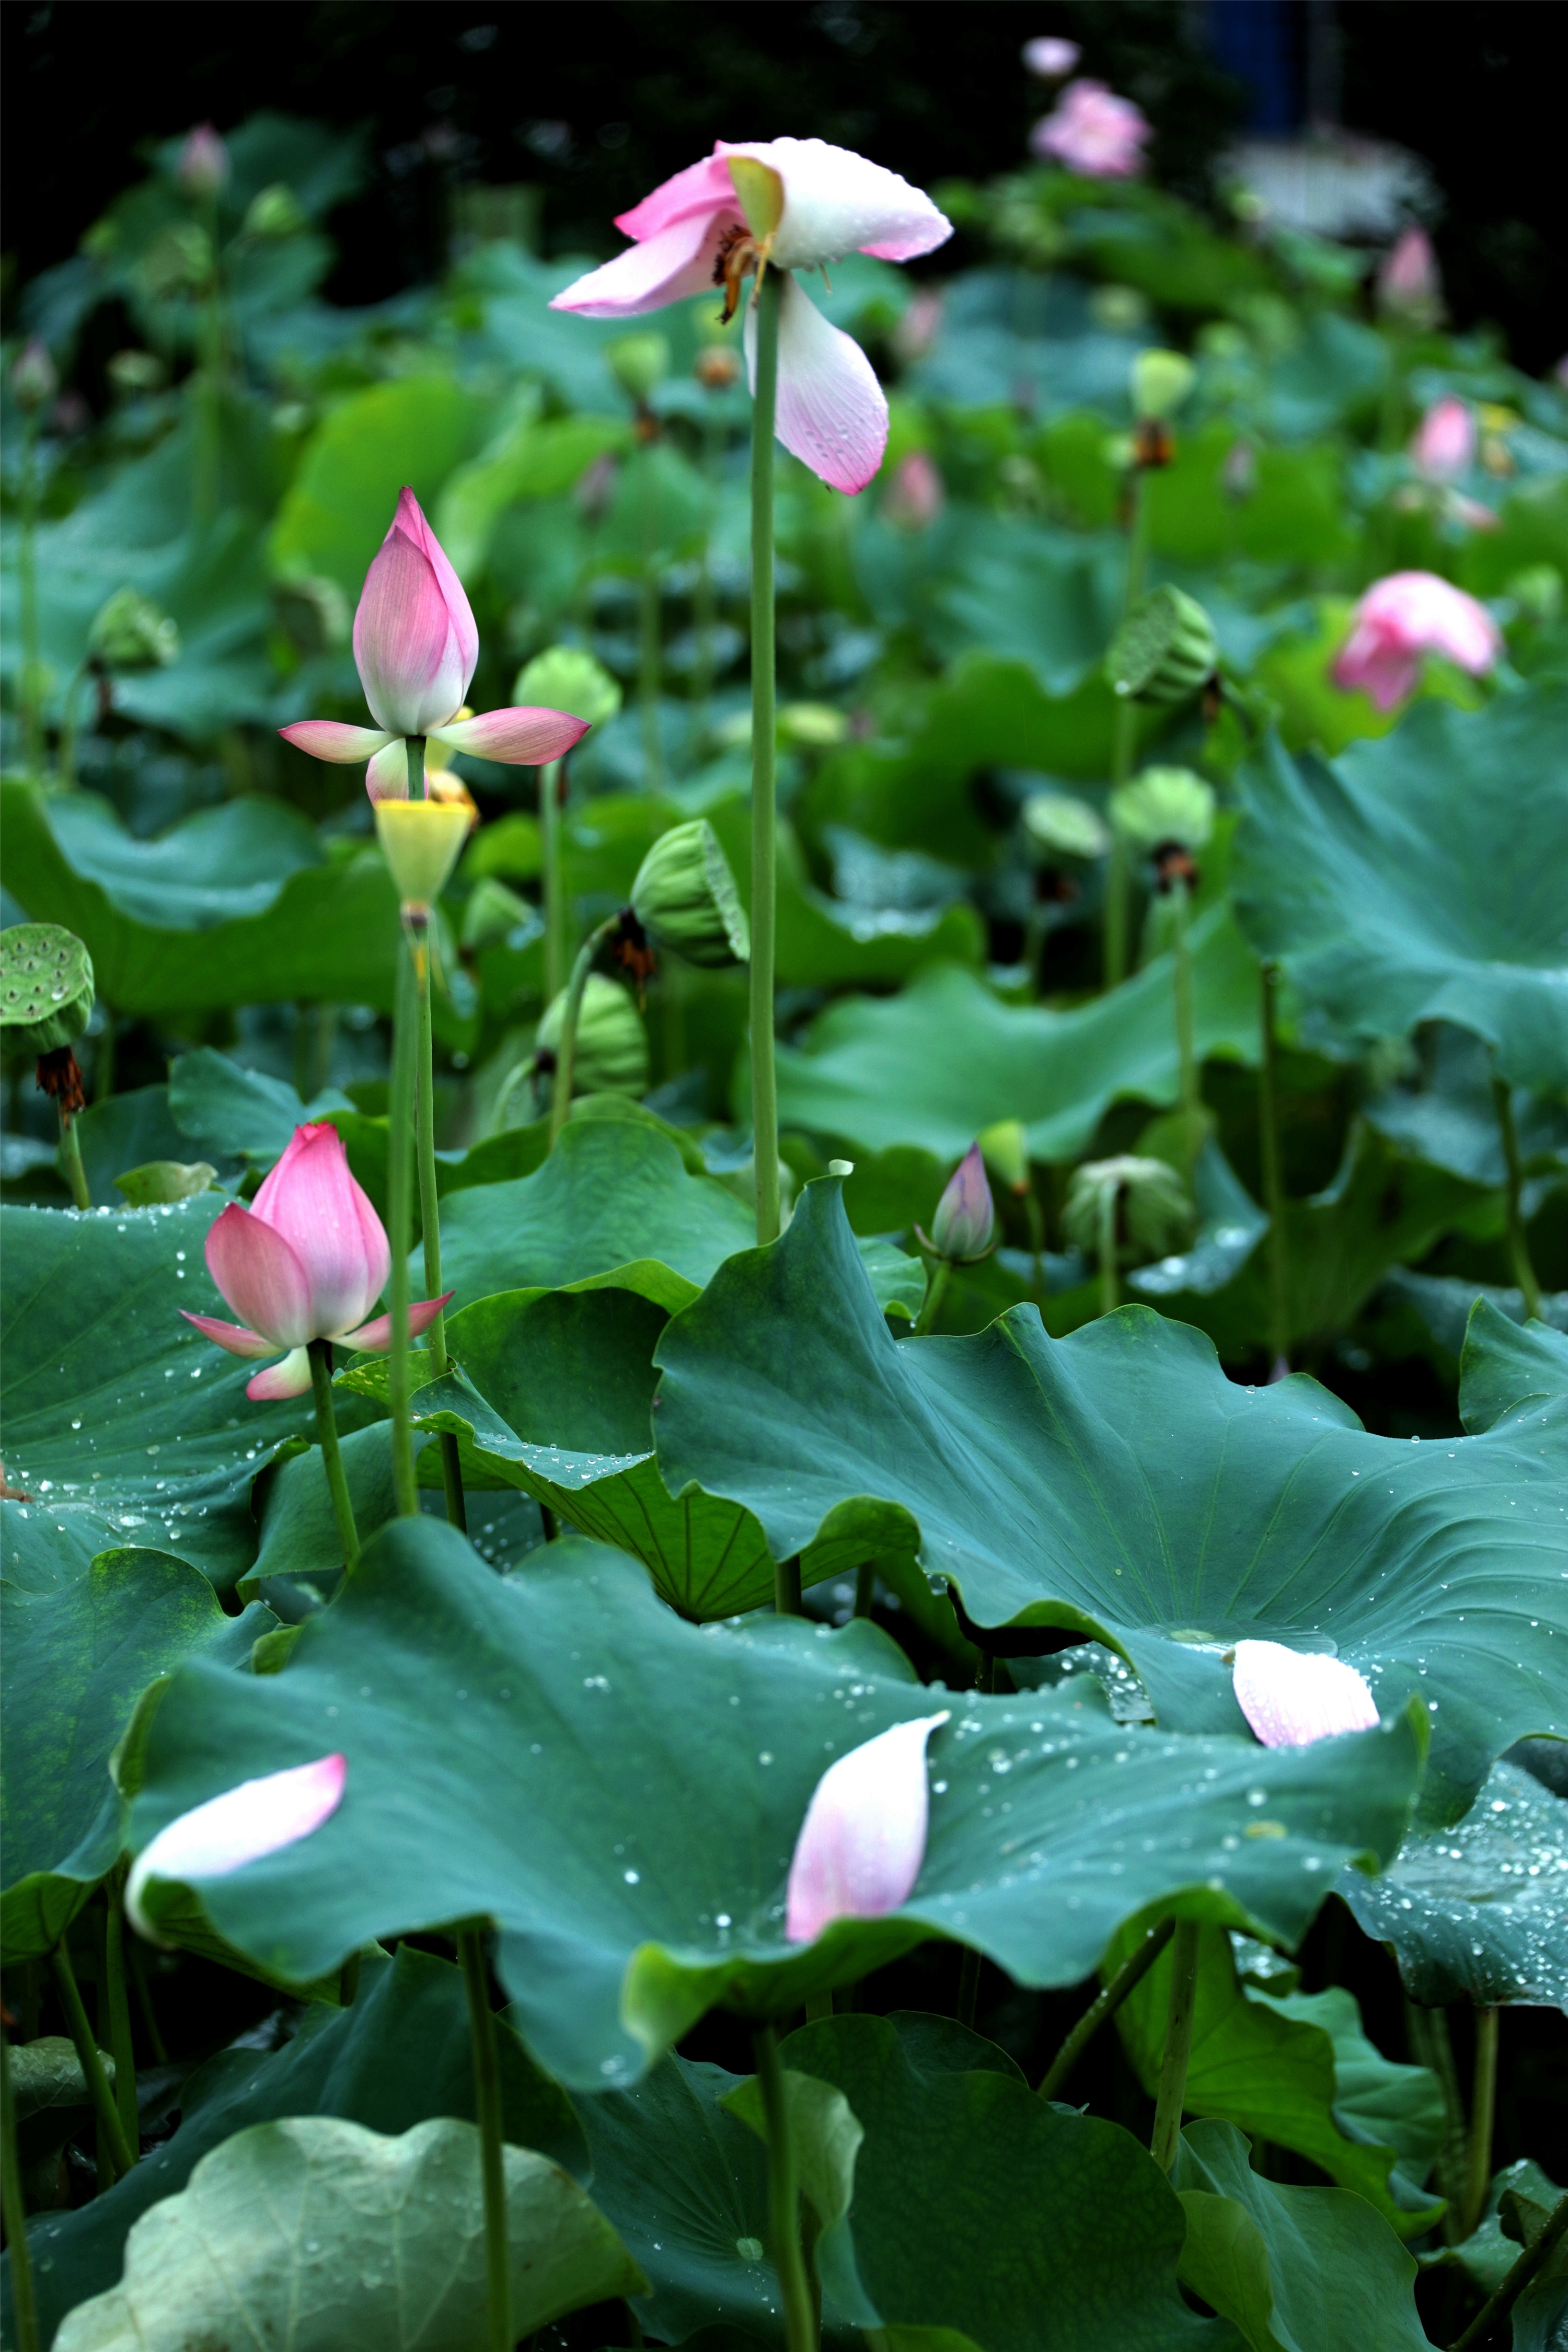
(1505, 1365)
(1448, 1116)
(240, 1113)
(621, 1792)
(1116, 1486)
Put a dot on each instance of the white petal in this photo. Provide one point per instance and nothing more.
(864, 1837)
(669, 267)
(832, 413)
(256, 1819)
(1291, 1697)
(836, 203)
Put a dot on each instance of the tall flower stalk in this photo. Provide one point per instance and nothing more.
(764, 760)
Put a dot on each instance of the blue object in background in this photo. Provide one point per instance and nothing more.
(1257, 41)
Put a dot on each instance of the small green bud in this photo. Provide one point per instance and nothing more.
(1164, 650)
(566, 678)
(276, 212)
(157, 1181)
(46, 988)
(612, 1043)
(1164, 805)
(1154, 1212)
(1064, 826)
(133, 371)
(1160, 382)
(132, 633)
(1005, 1151)
(638, 362)
(686, 900)
(815, 725)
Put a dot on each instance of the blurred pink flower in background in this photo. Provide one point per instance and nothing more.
(917, 330)
(1291, 1697)
(915, 494)
(1400, 618)
(1409, 284)
(1051, 56)
(864, 1837)
(1444, 446)
(258, 1818)
(1094, 132)
(204, 162)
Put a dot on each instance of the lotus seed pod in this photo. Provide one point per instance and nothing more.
(1154, 1213)
(612, 1043)
(1164, 650)
(1160, 382)
(638, 362)
(1005, 1151)
(1062, 825)
(46, 988)
(686, 900)
(132, 633)
(1164, 805)
(566, 678)
(491, 912)
(421, 841)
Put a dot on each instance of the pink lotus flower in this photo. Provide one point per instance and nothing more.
(1409, 285)
(1051, 56)
(308, 1260)
(1094, 132)
(864, 1837)
(259, 1818)
(915, 494)
(1400, 618)
(965, 1215)
(1291, 1697)
(798, 203)
(416, 646)
(1444, 446)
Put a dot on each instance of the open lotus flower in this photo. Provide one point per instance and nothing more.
(1291, 1697)
(260, 1817)
(864, 1837)
(1444, 443)
(1094, 132)
(798, 203)
(308, 1260)
(415, 646)
(1406, 616)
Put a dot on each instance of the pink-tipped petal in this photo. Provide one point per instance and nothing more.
(289, 1378)
(406, 648)
(260, 1276)
(374, 1338)
(523, 737)
(701, 188)
(670, 267)
(328, 738)
(232, 1336)
(311, 1199)
(1372, 665)
(1405, 615)
(410, 518)
(864, 1837)
(1291, 1697)
(260, 1817)
(836, 202)
(962, 1228)
(387, 778)
(832, 414)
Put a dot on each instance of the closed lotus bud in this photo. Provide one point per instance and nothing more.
(612, 1044)
(915, 494)
(46, 988)
(1409, 284)
(685, 897)
(204, 162)
(33, 379)
(1161, 381)
(491, 912)
(1161, 805)
(1005, 1151)
(1153, 1212)
(421, 841)
(132, 633)
(566, 678)
(1164, 650)
(1062, 825)
(638, 362)
(1291, 1697)
(961, 1228)
(275, 212)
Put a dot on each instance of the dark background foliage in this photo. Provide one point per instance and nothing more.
(590, 105)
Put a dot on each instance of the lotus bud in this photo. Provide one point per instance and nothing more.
(1166, 649)
(1005, 1151)
(132, 633)
(421, 841)
(612, 1044)
(1443, 446)
(46, 988)
(259, 1818)
(1161, 381)
(159, 1181)
(566, 678)
(684, 898)
(275, 212)
(864, 1837)
(1291, 1697)
(1154, 1211)
(638, 362)
(915, 496)
(917, 330)
(1409, 286)
(33, 379)
(961, 1228)
(1165, 805)
(491, 913)
(1062, 825)
(204, 162)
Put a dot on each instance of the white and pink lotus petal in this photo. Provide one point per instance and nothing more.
(1093, 133)
(836, 202)
(387, 777)
(374, 1339)
(523, 737)
(260, 1276)
(832, 411)
(259, 1818)
(864, 1837)
(289, 1378)
(329, 739)
(1405, 615)
(700, 189)
(232, 1336)
(1443, 446)
(313, 1200)
(669, 266)
(1291, 1697)
(415, 641)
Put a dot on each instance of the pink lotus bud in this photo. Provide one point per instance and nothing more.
(1291, 1697)
(961, 1229)
(204, 162)
(260, 1817)
(915, 494)
(1400, 618)
(1051, 56)
(1093, 133)
(416, 643)
(1409, 285)
(864, 1837)
(917, 330)
(1444, 446)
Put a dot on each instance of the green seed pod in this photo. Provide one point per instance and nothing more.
(275, 212)
(612, 1043)
(1154, 1214)
(686, 900)
(46, 988)
(1161, 381)
(566, 678)
(157, 1181)
(638, 362)
(1164, 650)
(1164, 805)
(1062, 825)
(132, 633)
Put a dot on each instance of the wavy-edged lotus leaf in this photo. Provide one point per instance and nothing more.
(622, 1792)
(1478, 1911)
(236, 1112)
(1448, 1116)
(1505, 1365)
(1116, 1485)
(946, 1057)
(317, 2233)
(401, 2054)
(123, 1423)
(1422, 878)
(1297, 2270)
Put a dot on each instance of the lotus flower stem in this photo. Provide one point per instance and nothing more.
(1483, 2112)
(786, 1586)
(1430, 2046)
(571, 1014)
(87, 2058)
(1171, 2095)
(764, 1087)
(1110, 1292)
(936, 1286)
(488, 2102)
(1131, 1974)
(331, 1451)
(118, 2004)
(430, 1208)
(65, 756)
(1532, 2260)
(1123, 743)
(648, 648)
(1186, 1043)
(1273, 1172)
(968, 1987)
(1519, 1247)
(784, 2194)
(400, 1141)
(865, 1587)
(28, 582)
(24, 2310)
(71, 1160)
(552, 794)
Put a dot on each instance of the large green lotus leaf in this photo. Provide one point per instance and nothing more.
(614, 1203)
(294, 1506)
(339, 505)
(317, 2233)
(1504, 1365)
(220, 864)
(79, 1650)
(1423, 877)
(622, 1793)
(1257, 2064)
(934, 1065)
(1448, 1116)
(327, 931)
(1116, 1485)
(1298, 2269)
(233, 1112)
(1479, 1911)
(123, 1423)
(126, 1131)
